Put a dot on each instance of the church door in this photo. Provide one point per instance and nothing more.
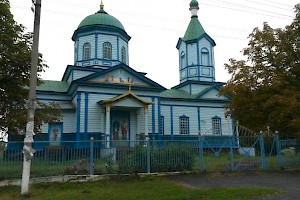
(120, 126)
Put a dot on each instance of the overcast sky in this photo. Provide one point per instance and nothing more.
(155, 27)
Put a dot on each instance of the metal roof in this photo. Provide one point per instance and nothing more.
(53, 86)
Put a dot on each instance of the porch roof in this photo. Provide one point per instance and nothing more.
(127, 95)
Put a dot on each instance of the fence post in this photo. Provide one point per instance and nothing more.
(201, 163)
(262, 151)
(91, 156)
(278, 149)
(231, 154)
(148, 154)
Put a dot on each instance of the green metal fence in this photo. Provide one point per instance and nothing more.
(145, 156)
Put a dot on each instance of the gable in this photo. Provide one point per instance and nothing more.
(119, 76)
(211, 93)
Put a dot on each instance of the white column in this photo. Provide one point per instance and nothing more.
(146, 120)
(107, 132)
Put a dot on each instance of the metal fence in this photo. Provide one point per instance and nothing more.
(218, 153)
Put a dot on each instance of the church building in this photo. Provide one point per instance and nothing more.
(102, 97)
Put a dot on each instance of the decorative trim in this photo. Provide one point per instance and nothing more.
(153, 118)
(78, 116)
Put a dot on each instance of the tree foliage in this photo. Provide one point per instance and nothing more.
(15, 62)
(265, 88)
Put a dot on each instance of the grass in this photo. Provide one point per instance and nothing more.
(127, 188)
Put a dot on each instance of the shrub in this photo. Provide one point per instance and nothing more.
(164, 158)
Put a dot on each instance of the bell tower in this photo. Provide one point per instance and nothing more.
(196, 51)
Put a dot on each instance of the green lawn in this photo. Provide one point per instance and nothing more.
(152, 188)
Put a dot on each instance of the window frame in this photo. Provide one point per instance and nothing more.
(205, 52)
(87, 51)
(216, 125)
(184, 125)
(107, 50)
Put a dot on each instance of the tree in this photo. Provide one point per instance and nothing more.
(15, 58)
(265, 88)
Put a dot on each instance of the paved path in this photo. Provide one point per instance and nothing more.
(286, 181)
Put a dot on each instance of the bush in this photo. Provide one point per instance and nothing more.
(167, 158)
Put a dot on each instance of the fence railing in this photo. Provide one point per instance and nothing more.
(145, 156)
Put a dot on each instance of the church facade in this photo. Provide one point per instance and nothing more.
(102, 97)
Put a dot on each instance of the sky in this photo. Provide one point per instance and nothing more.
(155, 27)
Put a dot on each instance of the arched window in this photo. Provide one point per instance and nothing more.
(205, 57)
(107, 50)
(123, 55)
(87, 51)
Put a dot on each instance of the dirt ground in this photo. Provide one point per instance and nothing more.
(286, 181)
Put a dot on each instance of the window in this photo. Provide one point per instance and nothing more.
(205, 57)
(184, 125)
(107, 50)
(216, 125)
(123, 55)
(87, 51)
(162, 125)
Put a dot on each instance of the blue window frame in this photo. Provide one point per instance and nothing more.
(205, 56)
(184, 125)
(107, 49)
(87, 51)
(216, 125)
(162, 125)
(123, 55)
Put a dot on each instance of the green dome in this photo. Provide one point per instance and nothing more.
(194, 4)
(101, 18)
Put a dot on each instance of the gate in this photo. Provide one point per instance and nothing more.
(239, 149)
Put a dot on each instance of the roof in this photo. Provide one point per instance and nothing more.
(101, 18)
(175, 93)
(53, 86)
(194, 30)
(129, 94)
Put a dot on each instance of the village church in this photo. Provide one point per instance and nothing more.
(102, 97)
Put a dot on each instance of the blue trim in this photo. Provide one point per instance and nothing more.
(159, 119)
(199, 120)
(123, 53)
(198, 59)
(118, 48)
(172, 123)
(96, 45)
(187, 106)
(81, 32)
(77, 53)
(78, 116)
(187, 56)
(86, 115)
(153, 117)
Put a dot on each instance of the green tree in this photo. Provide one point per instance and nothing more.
(15, 62)
(265, 88)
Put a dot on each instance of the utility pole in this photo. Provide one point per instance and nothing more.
(28, 151)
